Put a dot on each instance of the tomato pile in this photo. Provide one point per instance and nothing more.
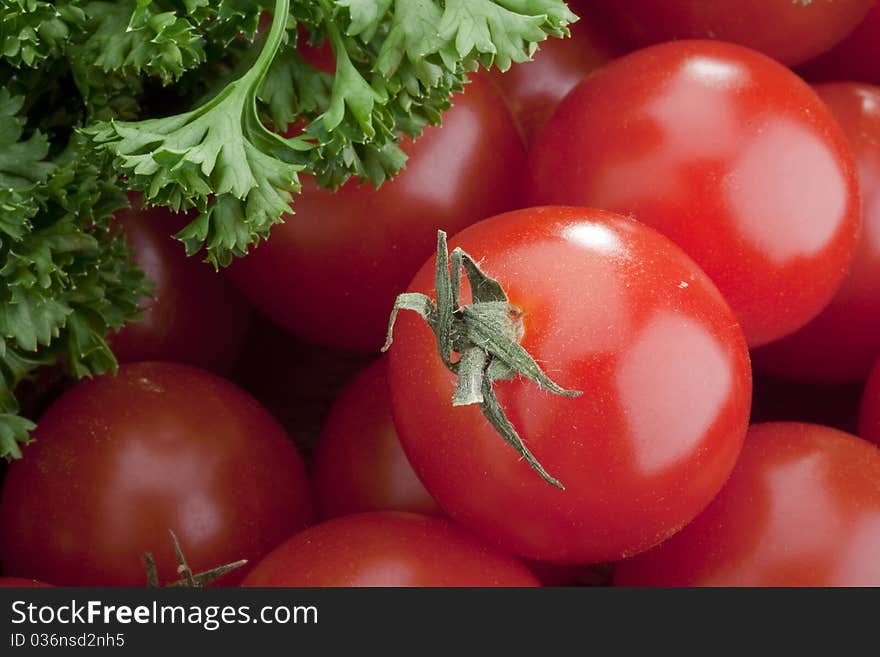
(647, 353)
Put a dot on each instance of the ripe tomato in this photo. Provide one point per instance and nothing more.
(854, 58)
(869, 409)
(386, 548)
(534, 89)
(359, 464)
(331, 272)
(802, 508)
(844, 340)
(609, 307)
(119, 461)
(790, 31)
(195, 315)
(727, 153)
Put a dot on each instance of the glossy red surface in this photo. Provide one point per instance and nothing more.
(787, 30)
(854, 58)
(118, 462)
(611, 308)
(332, 271)
(730, 155)
(388, 549)
(195, 315)
(358, 464)
(802, 508)
(844, 340)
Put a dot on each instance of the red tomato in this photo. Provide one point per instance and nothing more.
(802, 508)
(120, 461)
(385, 548)
(791, 31)
(844, 340)
(854, 58)
(331, 272)
(359, 464)
(20, 582)
(195, 316)
(614, 309)
(730, 155)
(869, 409)
(534, 89)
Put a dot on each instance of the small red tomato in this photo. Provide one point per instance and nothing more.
(331, 272)
(534, 89)
(844, 340)
(854, 58)
(791, 31)
(609, 307)
(195, 315)
(119, 461)
(802, 508)
(727, 153)
(358, 463)
(385, 549)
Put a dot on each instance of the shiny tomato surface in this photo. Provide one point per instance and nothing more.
(388, 549)
(844, 340)
(609, 307)
(727, 153)
(358, 464)
(117, 462)
(332, 271)
(194, 316)
(791, 31)
(802, 508)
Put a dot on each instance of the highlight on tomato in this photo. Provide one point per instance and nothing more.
(840, 344)
(727, 153)
(801, 508)
(601, 305)
(119, 461)
(388, 549)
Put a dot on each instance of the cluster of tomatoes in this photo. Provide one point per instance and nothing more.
(664, 213)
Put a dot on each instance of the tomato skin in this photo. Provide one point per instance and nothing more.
(800, 509)
(388, 549)
(195, 315)
(728, 154)
(790, 32)
(358, 463)
(611, 308)
(331, 273)
(840, 344)
(21, 582)
(534, 89)
(854, 58)
(119, 461)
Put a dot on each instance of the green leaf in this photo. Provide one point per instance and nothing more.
(32, 32)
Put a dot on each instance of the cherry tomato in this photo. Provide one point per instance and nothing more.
(386, 548)
(332, 271)
(869, 409)
(20, 582)
(802, 508)
(844, 340)
(611, 308)
(854, 58)
(359, 464)
(117, 462)
(534, 89)
(727, 153)
(195, 315)
(790, 31)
